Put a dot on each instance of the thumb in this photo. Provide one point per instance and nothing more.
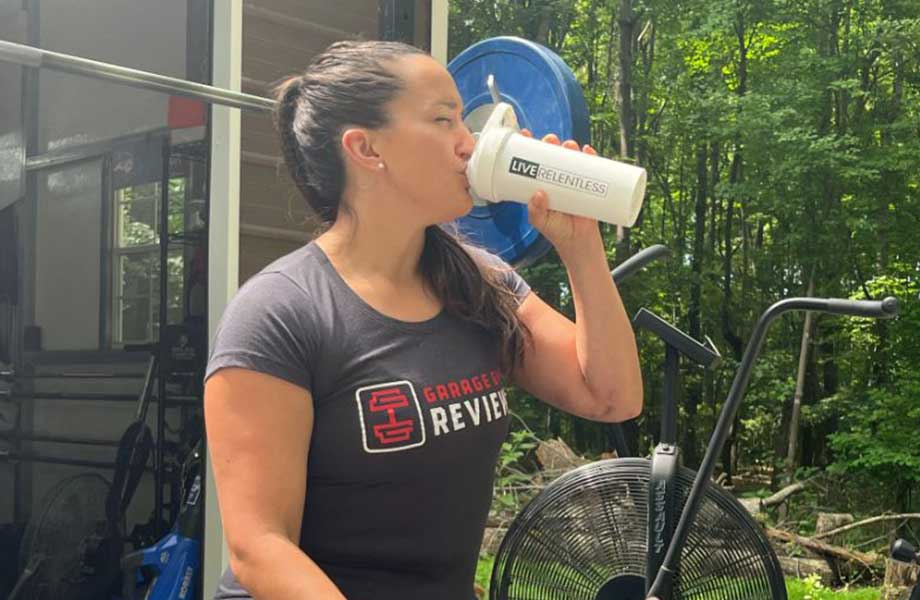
(537, 208)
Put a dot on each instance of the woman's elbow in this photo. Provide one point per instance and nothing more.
(621, 405)
(245, 556)
(241, 570)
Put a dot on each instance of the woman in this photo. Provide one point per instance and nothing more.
(354, 402)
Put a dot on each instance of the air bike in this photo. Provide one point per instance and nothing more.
(633, 528)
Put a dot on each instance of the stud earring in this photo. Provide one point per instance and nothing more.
(381, 165)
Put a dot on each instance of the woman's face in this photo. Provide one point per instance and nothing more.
(426, 145)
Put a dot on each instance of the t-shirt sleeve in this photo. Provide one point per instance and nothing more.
(267, 327)
(512, 280)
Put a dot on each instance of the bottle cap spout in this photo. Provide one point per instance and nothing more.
(481, 166)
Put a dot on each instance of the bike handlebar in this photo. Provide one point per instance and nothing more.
(903, 551)
(639, 260)
(879, 309)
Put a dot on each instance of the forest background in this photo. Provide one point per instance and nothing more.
(782, 142)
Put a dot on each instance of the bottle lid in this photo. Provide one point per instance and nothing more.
(500, 125)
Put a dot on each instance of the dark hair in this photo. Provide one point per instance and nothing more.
(350, 84)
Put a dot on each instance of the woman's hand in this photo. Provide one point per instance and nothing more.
(565, 232)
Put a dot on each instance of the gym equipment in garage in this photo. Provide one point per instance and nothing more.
(169, 570)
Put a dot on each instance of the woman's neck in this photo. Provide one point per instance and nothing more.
(371, 250)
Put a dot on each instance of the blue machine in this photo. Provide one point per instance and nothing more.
(546, 98)
(170, 569)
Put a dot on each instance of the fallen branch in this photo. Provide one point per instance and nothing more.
(781, 496)
(757, 505)
(867, 522)
(869, 559)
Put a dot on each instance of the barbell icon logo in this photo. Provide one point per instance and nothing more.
(390, 416)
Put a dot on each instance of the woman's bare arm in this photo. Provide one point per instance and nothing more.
(259, 429)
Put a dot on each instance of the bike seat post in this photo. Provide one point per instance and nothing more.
(670, 391)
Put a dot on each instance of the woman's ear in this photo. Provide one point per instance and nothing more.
(358, 147)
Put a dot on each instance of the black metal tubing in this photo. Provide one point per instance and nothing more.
(8, 395)
(31, 111)
(638, 260)
(31, 56)
(161, 351)
(11, 375)
(882, 309)
(662, 514)
(669, 402)
(56, 460)
(397, 20)
(147, 391)
(623, 271)
(903, 551)
(674, 337)
(74, 396)
(620, 443)
(56, 439)
(41, 358)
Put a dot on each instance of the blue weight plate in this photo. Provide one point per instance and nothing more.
(546, 98)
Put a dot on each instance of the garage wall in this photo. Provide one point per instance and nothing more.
(279, 39)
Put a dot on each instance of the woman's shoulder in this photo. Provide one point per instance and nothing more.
(272, 324)
(301, 277)
(301, 269)
(289, 288)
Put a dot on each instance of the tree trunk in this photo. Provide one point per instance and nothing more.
(736, 175)
(627, 22)
(694, 391)
(791, 461)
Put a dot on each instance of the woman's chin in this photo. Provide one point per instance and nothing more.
(467, 205)
(463, 207)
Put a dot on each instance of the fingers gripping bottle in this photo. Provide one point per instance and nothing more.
(506, 165)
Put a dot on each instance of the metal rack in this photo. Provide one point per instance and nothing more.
(156, 382)
(151, 392)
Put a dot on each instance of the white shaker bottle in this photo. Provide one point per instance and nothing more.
(506, 165)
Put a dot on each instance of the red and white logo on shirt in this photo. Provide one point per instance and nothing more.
(391, 417)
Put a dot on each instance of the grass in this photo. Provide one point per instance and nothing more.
(484, 572)
(810, 588)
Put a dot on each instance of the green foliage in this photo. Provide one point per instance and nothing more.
(794, 125)
(880, 413)
(881, 437)
(484, 572)
(511, 489)
(811, 588)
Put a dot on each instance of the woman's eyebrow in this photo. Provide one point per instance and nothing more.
(448, 103)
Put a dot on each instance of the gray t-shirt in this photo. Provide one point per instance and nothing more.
(408, 422)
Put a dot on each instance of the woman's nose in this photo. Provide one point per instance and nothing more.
(467, 144)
